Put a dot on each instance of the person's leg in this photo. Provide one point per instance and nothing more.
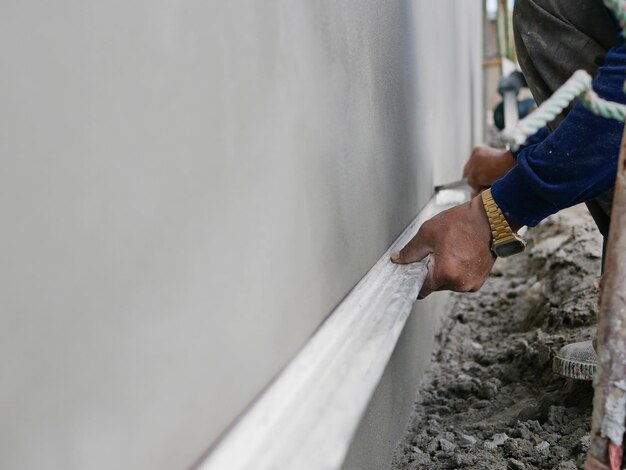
(553, 39)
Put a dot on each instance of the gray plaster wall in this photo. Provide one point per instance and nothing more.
(187, 189)
(449, 121)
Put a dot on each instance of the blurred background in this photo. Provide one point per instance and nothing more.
(187, 189)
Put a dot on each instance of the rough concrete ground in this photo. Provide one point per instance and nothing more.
(490, 399)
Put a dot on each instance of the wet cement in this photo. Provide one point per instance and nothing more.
(490, 399)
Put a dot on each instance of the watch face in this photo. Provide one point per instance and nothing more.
(510, 248)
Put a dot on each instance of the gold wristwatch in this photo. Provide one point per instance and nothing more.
(505, 241)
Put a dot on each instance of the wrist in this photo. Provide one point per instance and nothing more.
(483, 229)
(515, 226)
(505, 241)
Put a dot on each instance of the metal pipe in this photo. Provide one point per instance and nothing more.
(609, 404)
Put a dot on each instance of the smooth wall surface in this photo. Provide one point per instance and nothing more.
(449, 124)
(187, 189)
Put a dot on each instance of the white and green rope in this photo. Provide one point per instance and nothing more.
(579, 86)
(618, 7)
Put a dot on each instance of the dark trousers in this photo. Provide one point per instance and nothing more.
(553, 39)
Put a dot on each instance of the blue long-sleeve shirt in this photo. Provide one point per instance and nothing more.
(573, 164)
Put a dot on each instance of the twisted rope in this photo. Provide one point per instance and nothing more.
(602, 107)
(618, 7)
(579, 86)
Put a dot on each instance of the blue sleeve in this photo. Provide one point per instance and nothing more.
(573, 164)
(534, 139)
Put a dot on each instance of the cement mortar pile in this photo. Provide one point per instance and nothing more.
(490, 399)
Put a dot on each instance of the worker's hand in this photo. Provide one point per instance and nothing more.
(485, 166)
(458, 241)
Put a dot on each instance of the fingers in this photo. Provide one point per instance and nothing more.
(429, 282)
(475, 181)
(412, 253)
(415, 250)
(472, 183)
(441, 276)
(486, 165)
(467, 168)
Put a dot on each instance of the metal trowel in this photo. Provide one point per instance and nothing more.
(454, 185)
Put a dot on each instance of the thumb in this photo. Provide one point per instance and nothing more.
(414, 251)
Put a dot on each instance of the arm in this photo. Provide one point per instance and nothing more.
(575, 163)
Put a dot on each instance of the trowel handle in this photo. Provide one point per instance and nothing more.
(454, 184)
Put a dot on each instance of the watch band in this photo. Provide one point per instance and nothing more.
(500, 228)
